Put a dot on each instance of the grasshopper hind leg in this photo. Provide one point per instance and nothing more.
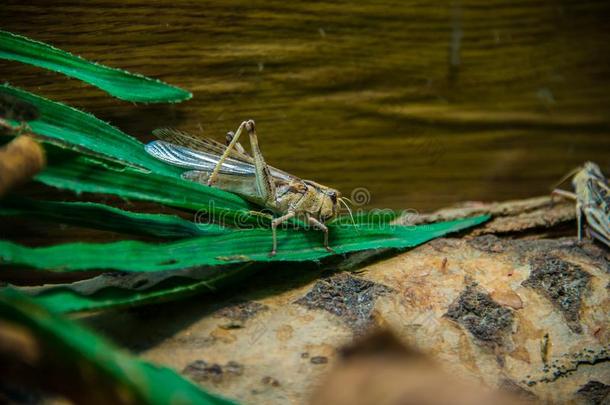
(264, 182)
(238, 147)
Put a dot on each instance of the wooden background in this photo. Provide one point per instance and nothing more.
(422, 103)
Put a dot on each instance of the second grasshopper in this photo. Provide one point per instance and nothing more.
(592, 197)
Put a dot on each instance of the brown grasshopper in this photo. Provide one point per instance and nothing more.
(232, 169)
(592, 197)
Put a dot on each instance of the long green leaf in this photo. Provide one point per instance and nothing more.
(110, 290)
(96, 365)
(244, 245)
(80, 174)
(116, 82)
(85, 133)
(78, 130)
(104, 217)
(101, 216)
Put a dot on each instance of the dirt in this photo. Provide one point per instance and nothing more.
(563, 283)
(319, 360)
(488, 244)
(511, 387)
(241, 311)
(200, 370)
(484, 318)
(595, 393)
(350, 298)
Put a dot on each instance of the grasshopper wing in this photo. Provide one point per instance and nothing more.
(194, 159)
(240, 185)
(205, 162)
(600, 194)
(183, 150)
(208, 145)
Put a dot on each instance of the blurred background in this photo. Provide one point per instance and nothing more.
(424, 104)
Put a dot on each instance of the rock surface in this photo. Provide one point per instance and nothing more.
(529, 316)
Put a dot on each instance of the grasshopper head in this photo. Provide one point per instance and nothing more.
(324, 201)
(594, 170)
(589, 170)
(329, 206)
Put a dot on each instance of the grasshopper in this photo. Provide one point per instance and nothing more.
(232, 169)
(592, 197)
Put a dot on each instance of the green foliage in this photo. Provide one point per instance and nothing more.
(87, 155)
(113, 291)
(236, 246)
(100, 216)
(78, 173)
(94, 364)
(116, 82)
(102, 159)
(80, 131)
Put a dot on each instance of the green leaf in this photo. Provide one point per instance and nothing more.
(85, 133)
(112, 290)
(116, 82)
(94, 364)
(120, 176)
(101, 216)
(104, 217)
(374, 216)
(242, 245)
(80, 174)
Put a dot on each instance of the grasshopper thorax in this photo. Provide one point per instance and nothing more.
(305, 197)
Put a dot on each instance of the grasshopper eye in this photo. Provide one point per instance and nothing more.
(333, 196)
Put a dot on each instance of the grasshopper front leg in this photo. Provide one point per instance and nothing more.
(579, 221)
(317, 224)
(579, 212)
(564, 193)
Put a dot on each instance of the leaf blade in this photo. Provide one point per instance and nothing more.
(78, 130)
(65, 341)
(105, 217)
(237, 246)
(80, 174)
(109, 291)
(116, 82)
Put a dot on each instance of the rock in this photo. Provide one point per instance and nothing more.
(529, 316)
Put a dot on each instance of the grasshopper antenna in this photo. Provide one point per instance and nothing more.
(342, 200)
(567, 176)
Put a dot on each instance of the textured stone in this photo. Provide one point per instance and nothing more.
(562, 282)
(350, 298)
(485, 319)
(534, 348)
(595, 393)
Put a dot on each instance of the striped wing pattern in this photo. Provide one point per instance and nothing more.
(183, 150)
